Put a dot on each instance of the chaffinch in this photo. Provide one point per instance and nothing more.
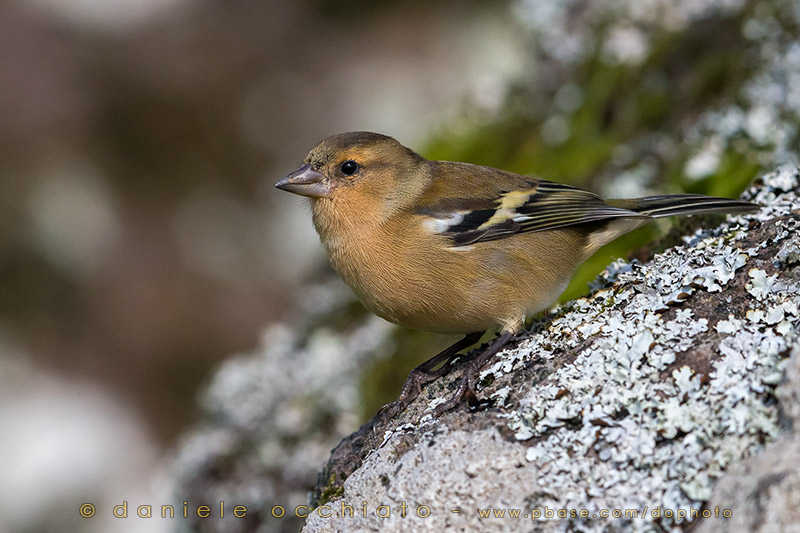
(456, 247)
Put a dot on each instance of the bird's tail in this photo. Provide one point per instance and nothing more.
(683, 204)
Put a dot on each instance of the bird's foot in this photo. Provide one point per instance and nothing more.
(411, 389)
(433, 368)
(466, 389)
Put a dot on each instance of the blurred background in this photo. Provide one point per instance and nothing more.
(142, 243)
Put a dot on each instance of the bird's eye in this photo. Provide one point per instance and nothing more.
(349, 167)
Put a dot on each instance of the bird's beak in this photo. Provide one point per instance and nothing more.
(305, 181)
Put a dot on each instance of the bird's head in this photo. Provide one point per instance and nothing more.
(357, 164)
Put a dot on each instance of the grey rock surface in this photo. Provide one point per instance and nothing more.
(763, 492)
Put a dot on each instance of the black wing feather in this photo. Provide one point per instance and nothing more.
(549, 206)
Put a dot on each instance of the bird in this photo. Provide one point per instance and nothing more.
(456, 247)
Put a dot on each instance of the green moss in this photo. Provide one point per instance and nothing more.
(331, 491)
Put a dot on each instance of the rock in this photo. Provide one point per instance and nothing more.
(763, 492)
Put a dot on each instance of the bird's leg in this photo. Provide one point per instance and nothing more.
(449, 353)
(427, 372)
(471, 371)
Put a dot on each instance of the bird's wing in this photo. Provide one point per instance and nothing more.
(519, 206)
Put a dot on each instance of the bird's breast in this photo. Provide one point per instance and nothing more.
(406, 275)
(402, 276)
